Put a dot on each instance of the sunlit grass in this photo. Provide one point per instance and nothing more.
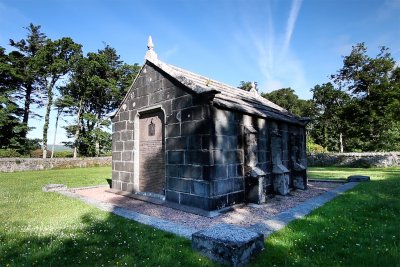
(48, 229)
(343, 173)
(359, 228)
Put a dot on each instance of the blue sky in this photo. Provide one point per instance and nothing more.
(284, 43)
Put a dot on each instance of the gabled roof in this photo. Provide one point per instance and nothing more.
(225, 95)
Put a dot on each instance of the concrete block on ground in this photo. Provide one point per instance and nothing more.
(228, 244)
(358, 178)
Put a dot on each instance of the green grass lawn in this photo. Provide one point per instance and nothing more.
(359, 228)
(48, 229)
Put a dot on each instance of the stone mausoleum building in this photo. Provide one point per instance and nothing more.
(187, 139)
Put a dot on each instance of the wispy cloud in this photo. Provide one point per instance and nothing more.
(170, 52)
(389, 9)
(291, 23)
(277, 63)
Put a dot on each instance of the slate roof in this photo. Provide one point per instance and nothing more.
(227, 96)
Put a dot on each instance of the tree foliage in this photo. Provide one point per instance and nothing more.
(287, 98)
(12, 130)
(370, 118)
(245, 85)
(38, 69)
(97, 86)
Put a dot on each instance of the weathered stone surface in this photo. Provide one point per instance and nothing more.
(376, 159)
(358, 178)
(256, 186)
(228, 244)
(30, 164)
(281, 183)
(204, 143)
(175, 157)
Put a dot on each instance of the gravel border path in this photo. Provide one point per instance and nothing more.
(266, 218)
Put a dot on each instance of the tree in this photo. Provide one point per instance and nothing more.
(12, 130)
(245, 85)
(373, 86)
(98, 85)
(287, 98)
(330, 117)
(54, 61)
(23, 60)
(61, 105)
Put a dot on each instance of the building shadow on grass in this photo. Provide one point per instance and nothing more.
(98, 239)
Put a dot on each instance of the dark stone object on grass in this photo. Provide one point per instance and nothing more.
(228, 244)
(54, 187)
(358, 178)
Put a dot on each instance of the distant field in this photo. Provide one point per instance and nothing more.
(59, 148)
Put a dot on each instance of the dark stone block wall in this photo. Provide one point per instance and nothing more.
(227, 175)
(188, 129)
(204, 146)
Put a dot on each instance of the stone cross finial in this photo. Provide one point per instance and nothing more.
(150, 44)
(253, 89)
(150, 54)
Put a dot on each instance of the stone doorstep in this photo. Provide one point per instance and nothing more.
(228, 244)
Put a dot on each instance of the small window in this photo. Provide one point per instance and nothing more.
(152, 128)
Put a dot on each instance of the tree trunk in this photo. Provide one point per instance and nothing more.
(341, 142)
(78, 127)
(97, 143)
(27, 103)
(55, 134)
(47, 119)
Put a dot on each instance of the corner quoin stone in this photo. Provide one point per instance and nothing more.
(228, 244)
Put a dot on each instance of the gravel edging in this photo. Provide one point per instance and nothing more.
(267, 226)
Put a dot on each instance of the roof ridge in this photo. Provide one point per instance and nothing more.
(227, 93)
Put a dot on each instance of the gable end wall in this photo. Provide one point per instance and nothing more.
(187, 133)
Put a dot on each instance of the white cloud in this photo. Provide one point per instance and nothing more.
(277, 64)
(291, 23)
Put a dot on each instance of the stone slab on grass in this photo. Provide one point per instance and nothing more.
(358, 178)
(54, 187)
(228, 244)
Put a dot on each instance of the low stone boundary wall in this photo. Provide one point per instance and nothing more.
(378, 159)
(29, 164)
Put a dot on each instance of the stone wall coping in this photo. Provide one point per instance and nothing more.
(50, 159)
(352, 154)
